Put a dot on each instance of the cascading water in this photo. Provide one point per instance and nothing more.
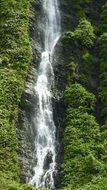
(45, 141)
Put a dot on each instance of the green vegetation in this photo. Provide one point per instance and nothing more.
(85, 162)
(83, 150)
(13, 185)
(82, 41)
(81, 7)
(103, 63)
(83, 35)
(76, 96)
(15, 57)
(103, 20)
(99, 183)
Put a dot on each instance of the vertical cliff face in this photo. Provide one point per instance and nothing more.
(79, 95)
(81, 48)
(75, 61)
(25, 123)
(61, 56)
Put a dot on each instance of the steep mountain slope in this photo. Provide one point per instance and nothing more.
(80, 93)
(15, 57)
(84, 164)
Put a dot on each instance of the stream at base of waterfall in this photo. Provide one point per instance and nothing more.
(45, 140)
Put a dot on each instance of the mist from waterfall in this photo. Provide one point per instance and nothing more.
(45, 142)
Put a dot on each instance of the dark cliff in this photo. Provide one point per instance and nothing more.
(79, 95)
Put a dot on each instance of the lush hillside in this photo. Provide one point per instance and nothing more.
(85, 162)
(15, 57)
(84, 166)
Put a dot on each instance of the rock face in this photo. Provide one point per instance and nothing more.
(68, 15)
(26, 131)
(25, 123)
(61, 58)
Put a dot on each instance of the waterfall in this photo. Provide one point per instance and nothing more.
(45, 142)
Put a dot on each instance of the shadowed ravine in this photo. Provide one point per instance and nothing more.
(45, 142)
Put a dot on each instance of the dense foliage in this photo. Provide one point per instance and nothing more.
(15, 56)
(84, 143)
(85, 162)
(13, 185)
(103, 63)
(84, 33)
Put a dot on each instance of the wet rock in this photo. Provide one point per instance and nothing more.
(47, 160)
(68, 15)
(26, 131)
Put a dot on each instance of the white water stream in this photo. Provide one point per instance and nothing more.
(45, 141)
